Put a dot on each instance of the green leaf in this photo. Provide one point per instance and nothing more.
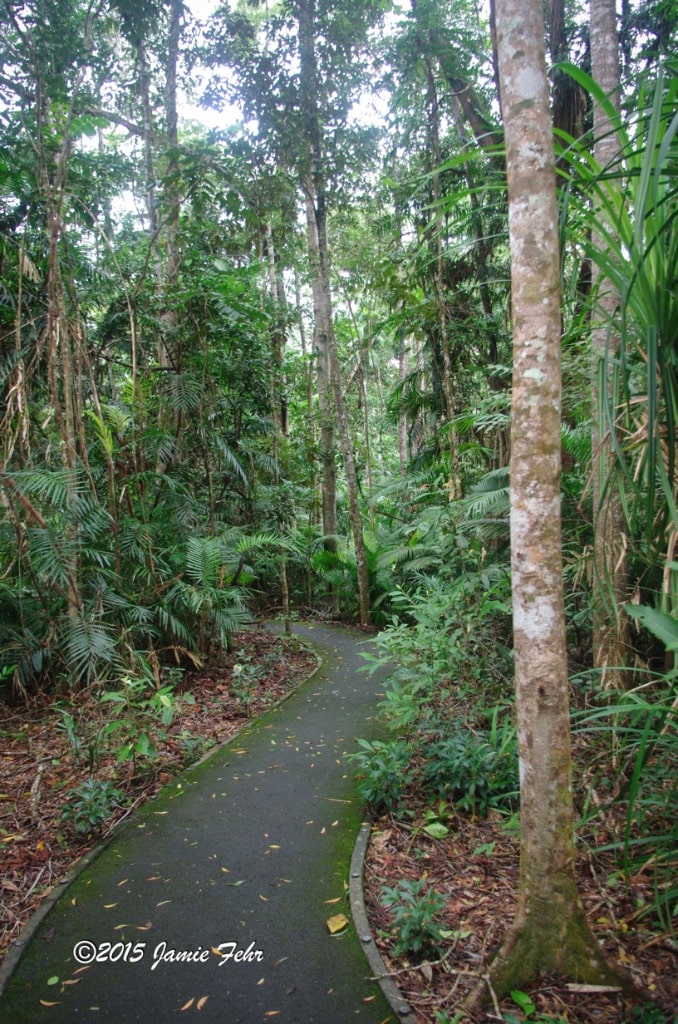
(436, 830)
(661, 625)
(523, 1001)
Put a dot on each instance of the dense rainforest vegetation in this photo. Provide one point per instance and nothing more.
(265, 367)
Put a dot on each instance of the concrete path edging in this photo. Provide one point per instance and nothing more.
(357, 901)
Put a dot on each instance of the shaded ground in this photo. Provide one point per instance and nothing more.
(475, 868)
(221, 897)
(40, 763)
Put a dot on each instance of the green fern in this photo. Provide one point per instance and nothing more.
(203, 561)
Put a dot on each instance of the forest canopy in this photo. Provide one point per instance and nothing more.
(264, 368)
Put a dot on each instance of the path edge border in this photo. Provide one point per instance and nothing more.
(393, 995)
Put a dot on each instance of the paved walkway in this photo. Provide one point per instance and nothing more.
(247, 854)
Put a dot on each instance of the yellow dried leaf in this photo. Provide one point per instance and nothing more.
(337, 923)
(263, 898)
(201, 1002)
(187, 1005)
(109, 906)
(337, 899)
(43, 1002)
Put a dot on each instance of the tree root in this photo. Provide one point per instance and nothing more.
(537, 945)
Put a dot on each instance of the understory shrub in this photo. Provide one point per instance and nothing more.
(631, 760)
(440, 661)
(90, 804)
(472, 769)
(383, 773)
(417, 909)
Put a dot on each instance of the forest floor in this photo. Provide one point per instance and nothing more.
(41, 760)
(474, 866)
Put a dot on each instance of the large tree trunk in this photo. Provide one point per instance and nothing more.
(550, 931)
(610, 583)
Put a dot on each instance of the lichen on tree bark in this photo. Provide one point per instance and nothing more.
(550, 932)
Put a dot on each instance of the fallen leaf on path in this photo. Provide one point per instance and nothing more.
(337, 923)
(201, 1002)
(187, 1005)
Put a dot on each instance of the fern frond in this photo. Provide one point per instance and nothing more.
(203, 561)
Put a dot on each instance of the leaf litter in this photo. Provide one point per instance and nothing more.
(36, 849)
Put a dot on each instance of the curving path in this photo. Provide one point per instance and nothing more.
(248, 851)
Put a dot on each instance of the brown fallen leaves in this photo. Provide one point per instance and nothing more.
(38, 766)
(475, 867)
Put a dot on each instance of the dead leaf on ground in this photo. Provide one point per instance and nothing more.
(337, 923)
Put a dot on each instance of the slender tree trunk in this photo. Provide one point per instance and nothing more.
(453, 476)
(278, 407)
(328, 490)
(610, 584)
(316, 206)
(550, 931)
(402, 415)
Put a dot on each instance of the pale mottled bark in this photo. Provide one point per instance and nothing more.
(610, 586)
(550, 932)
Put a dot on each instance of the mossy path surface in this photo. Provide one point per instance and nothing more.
(248, 851)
